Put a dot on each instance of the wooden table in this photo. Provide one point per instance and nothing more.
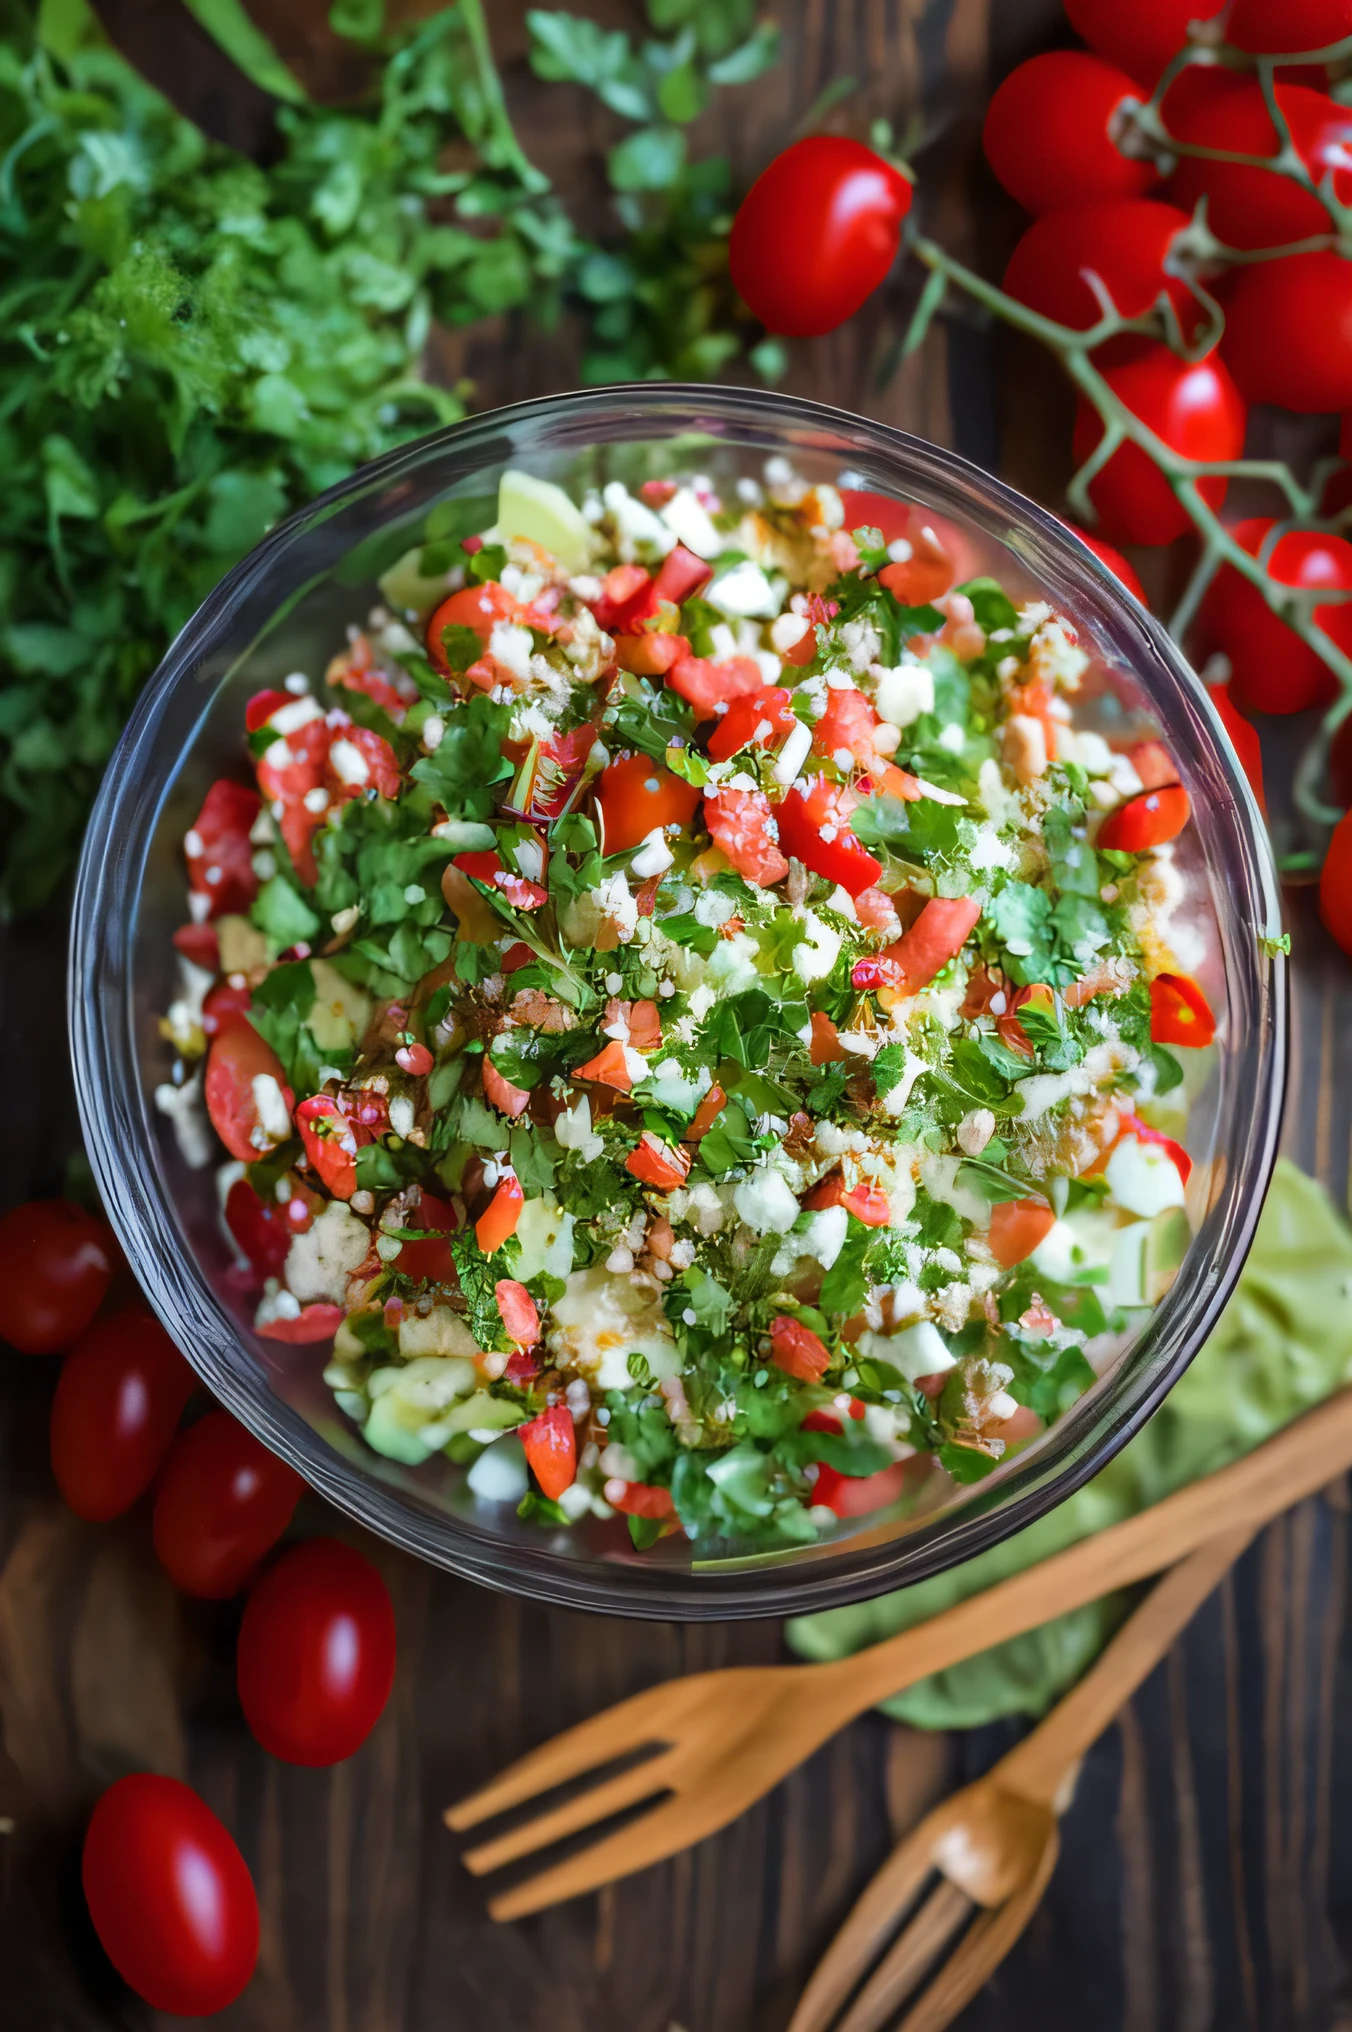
(1206, 1872)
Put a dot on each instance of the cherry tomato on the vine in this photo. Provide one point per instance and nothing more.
(1288, 331)
(315, 1659)
(1050, 133)
(1142, 35)
(1259, 207)
(1272, 670)
(1194, 407)
(1279, 27)
(116, 1408)
(1126, 242)
(170, 1896)
(1121, 567)
(1243, 738)
(816, 234)
(56, 1262)
(223, 1502)
(1335, 884)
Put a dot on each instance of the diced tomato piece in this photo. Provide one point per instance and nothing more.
(926, 574)
(482, 863)
(521, 1366)
(346, 675)
(498, 1221)
(559, 768)
(1243, 738)
(815, 830)
(414, 1059)
(706, 1114)
(740, 822)
(708, 685)
(1179, 1011)
(640, 1019)
(261, 708)
(900, 783)
(651, 653)
(430, 1260)
(846, 728)
(288, 772)
(937, 936)
(260, 1228)
(875, 910)
(225, 1005)
(357, 749)
(550, 1442)
(500, 1093)
(657, 1163)
(515, 957)
(1146, 821)
(868, 1203)
(218, 850)
(858, 1495)
(1017, 1227)
(642, 1499)
(519, 1315)
(312, 1323)
(487, 867)
(332, 1140)
(829, 1421)
(760, 719)
(476, 607)
(827, 1192)
(609, 1068)
(237, 1059)
(1153, 764)
(627, 599)
(635, 794)
(200, 943)
(796, 1350)
(679, 575)
(825, 1047)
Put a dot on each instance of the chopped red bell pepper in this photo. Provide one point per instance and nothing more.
(815, 830)
(798, 1351)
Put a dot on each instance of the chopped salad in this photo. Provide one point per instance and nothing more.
(694, 1021)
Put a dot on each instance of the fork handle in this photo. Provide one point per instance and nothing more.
(1036, 1768)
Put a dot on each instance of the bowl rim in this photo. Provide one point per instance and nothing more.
(111, 1100)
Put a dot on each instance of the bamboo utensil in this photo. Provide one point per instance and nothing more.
(722, 1739)
(994, 1844)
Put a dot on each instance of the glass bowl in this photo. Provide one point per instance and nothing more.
(285, 607)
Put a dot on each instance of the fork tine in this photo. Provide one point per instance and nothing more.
(980, 1953)
(670, 1827)
(627, 1789)
(598, 1740)
(872, 1918)
(910, 1959)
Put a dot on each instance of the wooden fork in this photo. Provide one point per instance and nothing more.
(721, 1739)
(994, 1844)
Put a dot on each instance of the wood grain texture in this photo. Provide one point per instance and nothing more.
(1206, 1871)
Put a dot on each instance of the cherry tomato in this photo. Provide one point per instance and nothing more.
(262, 1229)
(116, 1408)
(759, 719)
(1194, 407)
(798, 1351)
(225, 1006)
(223, 1502)
(497, 1223)
(218, 850)
(56, 1263)
(1125, 242)
(1143, 35)
(1049, 133)
(1273, 671)
(1120, 566)
(816, 234)
(741, 823)
(315, 1659)
(170, 1896)
(1275, 27)
(1146, 821)
(238, 1060)
(1180, 1012)
(804, 818)
(332, 1141)
(657, 1163)
(476, 607)
(1288, 331)
(1260, 207)
(635, 794)
(1243, 738)
(550, 1442)
(1335, 884)
(1017, 1227)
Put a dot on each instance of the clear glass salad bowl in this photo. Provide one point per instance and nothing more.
(286, 607)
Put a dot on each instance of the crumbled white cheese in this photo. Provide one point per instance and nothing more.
(689, 520)
(794, 753)
(637, 528)
(349, 765)
(1143, 1178)
(320, 1261)
(274, 1117)
(813, 959)
(917, 1350)
(187, 1116)
(744, 589)
(766, 1202)
(903, 693)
